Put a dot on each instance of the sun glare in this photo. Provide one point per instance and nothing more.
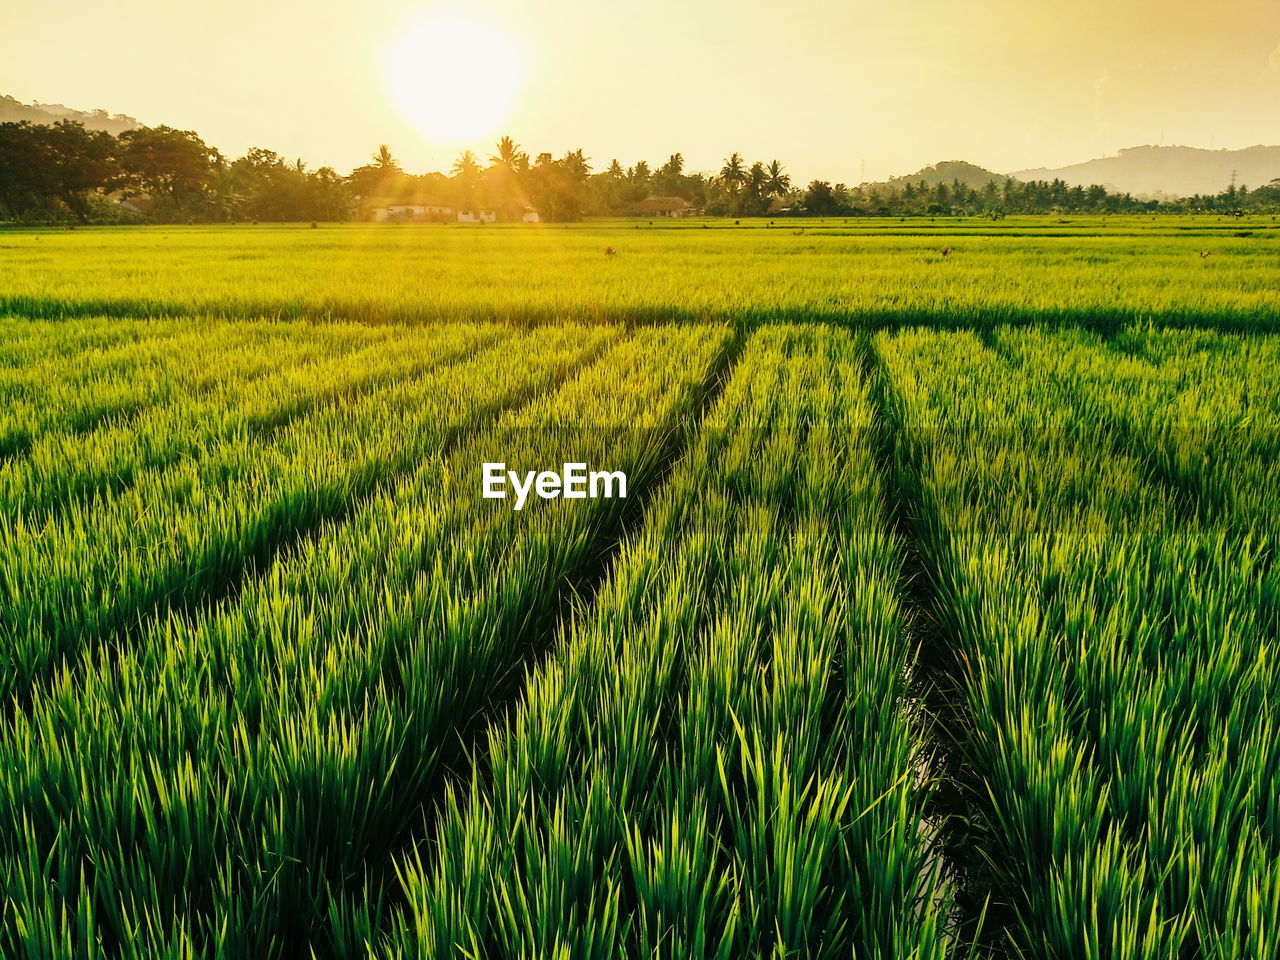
(453, 77)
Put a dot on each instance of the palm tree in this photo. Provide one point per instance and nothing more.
(383, 158)
(466, 166)
(509, 155)
(753, 200)
(777, 183)
(732, 172)
(466, 174)
(510, 164)
(576, 164)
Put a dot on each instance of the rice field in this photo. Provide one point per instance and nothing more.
(1094, 272)
(939, 619)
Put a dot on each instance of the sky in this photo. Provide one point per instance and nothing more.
(842, 91)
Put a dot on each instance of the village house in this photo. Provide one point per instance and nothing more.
(510, 213)
(420, 208)
(423, 208)
(663, 207)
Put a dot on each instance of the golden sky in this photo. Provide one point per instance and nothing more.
(831, 88)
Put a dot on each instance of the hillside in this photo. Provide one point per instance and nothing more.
(14, 111)
(1170, 171)
(948, 171)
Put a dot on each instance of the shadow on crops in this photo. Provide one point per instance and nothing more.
(942, 315)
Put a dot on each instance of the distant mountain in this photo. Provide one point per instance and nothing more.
(13, 111)
(1169, 171)
(948, 171)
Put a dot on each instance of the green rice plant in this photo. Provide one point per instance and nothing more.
(27, 342)
(1104, 272)
(1204, 408)
(288, 376)
(1113, 659)
(146, 372)
(182, 535)
(278, 682)
(327, 715)
(719, 760)
(70, 395)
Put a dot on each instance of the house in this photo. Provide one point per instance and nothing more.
(516, 211)
(663, 207)
(418, 208)
(421, 208)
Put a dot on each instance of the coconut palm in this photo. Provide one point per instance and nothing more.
(466, 166)
(674, 167)
(733, 172)
(510, 155)
(753, 199)
(576, 164)
(383, 159)
(777, 183)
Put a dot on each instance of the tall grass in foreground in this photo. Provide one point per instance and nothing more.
(291, 738)
(719, 760)
(1116, 663)
(1203, 408)
(180, 535)
(281, 379)
(55, 346)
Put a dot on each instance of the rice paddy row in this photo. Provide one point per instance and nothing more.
(279, 681)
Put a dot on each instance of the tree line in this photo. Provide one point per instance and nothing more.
(1003, 197)
(64, 171)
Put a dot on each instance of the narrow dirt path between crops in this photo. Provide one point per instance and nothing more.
(956, 805)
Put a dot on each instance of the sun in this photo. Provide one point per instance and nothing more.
(453, 77)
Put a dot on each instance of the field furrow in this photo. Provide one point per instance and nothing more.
(285, 381)
(328, 718)
(1114, 661)
(113, 386)
(190, 533)
(1204, 409)
(719, 760)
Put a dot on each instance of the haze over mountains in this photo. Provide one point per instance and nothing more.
(15, 111)
(1169, 171)
(1153, 172)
